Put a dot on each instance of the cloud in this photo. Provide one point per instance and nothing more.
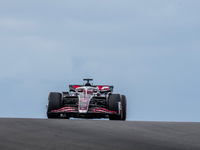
(17, 26)
(148, 50)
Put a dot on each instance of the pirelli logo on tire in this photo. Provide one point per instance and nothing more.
(119, 107)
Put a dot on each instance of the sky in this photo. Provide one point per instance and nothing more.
(149, 51)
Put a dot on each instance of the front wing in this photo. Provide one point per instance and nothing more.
(95, 110)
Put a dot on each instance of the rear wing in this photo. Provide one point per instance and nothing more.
(102, 88)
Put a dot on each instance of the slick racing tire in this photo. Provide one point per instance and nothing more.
(113, 106)
(54, 103)
(123, 107)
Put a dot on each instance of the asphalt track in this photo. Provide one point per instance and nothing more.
(61, 134)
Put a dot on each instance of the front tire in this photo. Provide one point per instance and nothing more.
(113, 106)
(123, 107)
(54, 102)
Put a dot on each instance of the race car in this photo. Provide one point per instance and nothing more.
(87, 101)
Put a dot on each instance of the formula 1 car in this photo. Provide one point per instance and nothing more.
(87, 101)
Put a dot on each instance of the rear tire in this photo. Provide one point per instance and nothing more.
(54, 103)
(113, 106)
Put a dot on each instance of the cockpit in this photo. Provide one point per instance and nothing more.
(87, 90)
